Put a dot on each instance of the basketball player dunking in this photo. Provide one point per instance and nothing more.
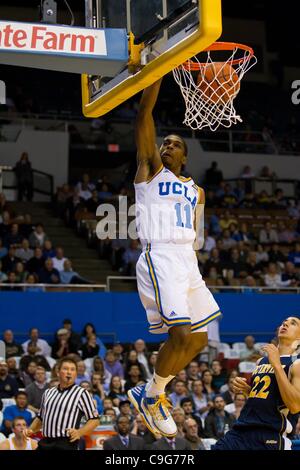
(170, 285)
(273, 404)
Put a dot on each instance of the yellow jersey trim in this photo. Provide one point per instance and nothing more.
(155, 174)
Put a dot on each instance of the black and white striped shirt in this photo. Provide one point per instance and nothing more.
(63, 409)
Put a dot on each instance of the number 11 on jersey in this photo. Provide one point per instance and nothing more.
(183, 220)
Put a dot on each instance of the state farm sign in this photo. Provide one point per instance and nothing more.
(43, 38)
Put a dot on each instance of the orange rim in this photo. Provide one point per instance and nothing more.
(220, 46)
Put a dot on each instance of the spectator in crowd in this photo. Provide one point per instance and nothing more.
(193, 372)
(11, 347)
(152, 361)
(202, 405)
(26, 227)
(10, 260)
(214, 261)
(140, 429)
(132, 359)
(38, 237)
(92, 203)
(90, 348)
(290, 274)
(24, 252)
(279, 201)
(27, 371)
(36, 263)
(59, 259)
(48, 250)
(20, 273)
(116, 390)
(130, 258)
(48, 274)
(111, 413)
(3, 276)
(33, 355)
(126, 410)
(43, 347)
(8, 385)
(285, 233)
(180, 392)
(24, 175)
(13, 238)
(236, 406)
(209, 242)
(218, 421)
(268, 235)
(227, 220)
(33, 279)
(273, 279)
(124, 440)
(179, 418)
(14, 371)
(192, 434)
(98, 402)
(20, 409)
(142, 356)
(74, 337)
(267, 173)
(90, 331)
(229, 199)
(247, 172)
(97, 383)
(36, 389)
(261, 255)
(63, 345)
(276, 255)
(68, 276)
(251, 352)
(135, 377)
(85, 183)
(227, 242)
(98, 366)
(213, 176)
(219, 375)
(81, 373)
(253, 267)
(3, 249)
(112, 365)
(17, 440)
(189, 412)
(230, 393)
(174, 443)
(108, 405)
(208, 389)
(118, 350)
(264, 200)
(294, 255)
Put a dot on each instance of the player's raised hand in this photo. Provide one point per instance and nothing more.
(240, 385)
(273, 354)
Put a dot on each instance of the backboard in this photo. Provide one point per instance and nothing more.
(161, 34)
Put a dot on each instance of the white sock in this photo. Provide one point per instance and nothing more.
(157, 385)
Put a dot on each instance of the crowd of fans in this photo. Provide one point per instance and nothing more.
(27, 255)
(250, 239)
(204, 403)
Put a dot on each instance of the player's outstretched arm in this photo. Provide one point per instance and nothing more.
(148, 156)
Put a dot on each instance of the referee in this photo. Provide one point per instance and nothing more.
(61, 410)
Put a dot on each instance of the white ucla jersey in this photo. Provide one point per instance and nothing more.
(165, 209)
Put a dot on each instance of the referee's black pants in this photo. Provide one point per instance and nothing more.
(58, 443)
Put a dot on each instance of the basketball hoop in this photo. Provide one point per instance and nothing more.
(210, 86)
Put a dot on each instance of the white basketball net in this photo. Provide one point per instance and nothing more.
(210, 105)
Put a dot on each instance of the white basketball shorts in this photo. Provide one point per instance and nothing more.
(172, 290)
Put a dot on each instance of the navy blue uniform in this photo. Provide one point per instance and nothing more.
(264, 421)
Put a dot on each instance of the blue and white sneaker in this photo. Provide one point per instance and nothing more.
(158, 408)
(154, 411)
(136, 396)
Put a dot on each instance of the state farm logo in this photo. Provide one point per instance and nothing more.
(29, 37)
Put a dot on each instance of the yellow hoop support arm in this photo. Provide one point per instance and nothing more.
(210, 19)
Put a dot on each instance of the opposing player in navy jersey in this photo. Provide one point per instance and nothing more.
(170, 285)
(273, 404)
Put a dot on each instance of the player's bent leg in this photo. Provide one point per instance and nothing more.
(197, 342)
